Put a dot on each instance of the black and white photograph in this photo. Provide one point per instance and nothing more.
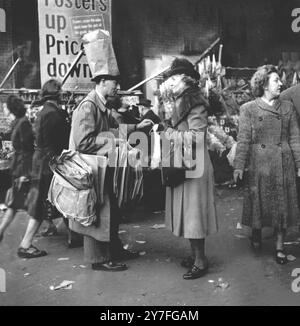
(149, 155)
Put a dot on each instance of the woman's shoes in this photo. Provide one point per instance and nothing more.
(195, 272)
(187, 262)
(31, 252)
(280, 257)
(109, 267)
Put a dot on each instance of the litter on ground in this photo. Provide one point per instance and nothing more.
(63, 285)
(158, 226)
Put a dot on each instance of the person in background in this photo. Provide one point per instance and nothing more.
(52, 136)
(190, 206)
(269, 145)
(292, 94)
(23, 143)
(146, 111)
(154, 191)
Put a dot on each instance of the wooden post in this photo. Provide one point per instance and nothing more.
(207, 50)
(76, 60)
(10, 72)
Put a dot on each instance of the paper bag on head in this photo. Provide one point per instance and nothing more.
(100, 54)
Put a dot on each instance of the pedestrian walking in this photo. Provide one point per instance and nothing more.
(23, 143)
(269, 147)
(52, 136)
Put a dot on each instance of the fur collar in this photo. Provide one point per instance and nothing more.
(185, 101)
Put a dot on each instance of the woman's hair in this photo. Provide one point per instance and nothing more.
(261, 78)
(51, 90)
(16, 106)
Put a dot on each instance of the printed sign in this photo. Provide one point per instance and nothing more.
(61, 26)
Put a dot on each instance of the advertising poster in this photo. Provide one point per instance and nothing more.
(61, 26)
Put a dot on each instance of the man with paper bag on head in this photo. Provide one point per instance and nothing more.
(94, 133)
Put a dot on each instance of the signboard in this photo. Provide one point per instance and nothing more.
(61, 25)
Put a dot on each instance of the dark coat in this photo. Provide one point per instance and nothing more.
(269, 146)
(22, 141)
(52, 136)
(151, 116)
(292, 94)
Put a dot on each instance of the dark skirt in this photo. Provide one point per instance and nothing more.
(16, 195)
(37, 205)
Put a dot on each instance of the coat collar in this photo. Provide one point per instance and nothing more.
(94, 97)
(188, 99)
(266, 107)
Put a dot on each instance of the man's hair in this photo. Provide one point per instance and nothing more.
(16, 106)
(98, 79)
(51, 89)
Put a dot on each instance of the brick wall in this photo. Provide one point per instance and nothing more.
(153, 28)
(253, 32)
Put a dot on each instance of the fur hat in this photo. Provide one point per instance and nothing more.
(182, 66)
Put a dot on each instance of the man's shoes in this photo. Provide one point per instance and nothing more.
(124, 254)
(109, 267)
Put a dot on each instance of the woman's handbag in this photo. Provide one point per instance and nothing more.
(173, 176)
(16, 195)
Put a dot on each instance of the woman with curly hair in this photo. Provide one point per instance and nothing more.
(269, 146)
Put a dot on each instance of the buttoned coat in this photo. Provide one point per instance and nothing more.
(269, 147)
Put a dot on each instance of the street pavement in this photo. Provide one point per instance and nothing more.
(237, 276)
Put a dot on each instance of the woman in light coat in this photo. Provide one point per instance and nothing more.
(190, 206)
(269, 146)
